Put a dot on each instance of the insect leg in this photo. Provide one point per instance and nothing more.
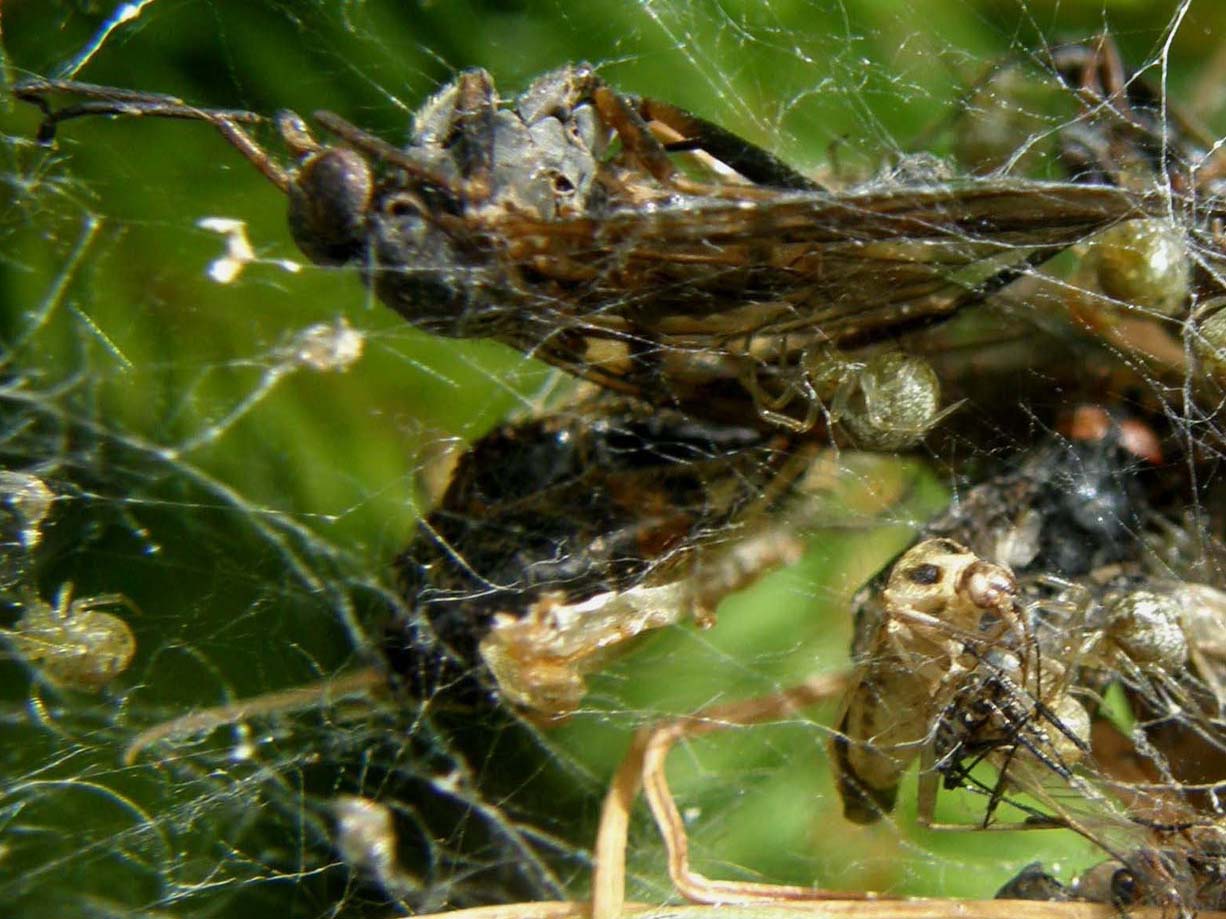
(695, 133)
(473, 132)
(1094, 72)
(110, 101)
(381, 150)
(635, 135)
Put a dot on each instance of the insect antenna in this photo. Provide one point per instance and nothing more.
(109, 101)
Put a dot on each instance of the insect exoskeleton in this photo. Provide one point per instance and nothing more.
(939, 602)
(560, 538)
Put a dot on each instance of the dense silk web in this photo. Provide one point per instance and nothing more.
(223, 448)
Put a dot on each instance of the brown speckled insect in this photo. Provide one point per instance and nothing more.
(644, 249)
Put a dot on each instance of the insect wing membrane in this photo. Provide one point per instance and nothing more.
(679, 300)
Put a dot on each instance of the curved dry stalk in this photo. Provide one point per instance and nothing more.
(825, 909)
(643, 767)
(313, 695)
(609, 858)
(690, 884)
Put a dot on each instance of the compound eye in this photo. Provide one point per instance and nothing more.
(1125, 891)
(925, 575)
(329, 200)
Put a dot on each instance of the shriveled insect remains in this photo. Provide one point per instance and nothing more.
(964, 661)
(561, 538)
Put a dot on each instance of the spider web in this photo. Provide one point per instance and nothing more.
(239, 443)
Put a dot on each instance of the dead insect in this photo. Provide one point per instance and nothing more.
(1144, 288)
(1152, 285)
(998, 678)
(963, 660)
(638, 246)
(558, 540)
(940, 607)
(1190, 878)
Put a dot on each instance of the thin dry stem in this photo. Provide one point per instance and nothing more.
(690, 884)
(609, 869)
(826, 909)
(312, 695)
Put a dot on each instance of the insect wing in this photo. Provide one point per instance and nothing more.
(677, 301)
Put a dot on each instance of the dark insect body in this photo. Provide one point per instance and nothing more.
(562, 537)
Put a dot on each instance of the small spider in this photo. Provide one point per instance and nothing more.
(72, 642)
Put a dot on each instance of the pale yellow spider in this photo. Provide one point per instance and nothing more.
(72, 643)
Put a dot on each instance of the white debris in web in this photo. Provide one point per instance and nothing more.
(239, 252)
(329, 346)
(366, 840)
(30, 500)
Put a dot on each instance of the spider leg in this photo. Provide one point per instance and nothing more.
(366, 681)
(101, 601)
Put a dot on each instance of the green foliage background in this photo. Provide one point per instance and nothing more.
(253, 556)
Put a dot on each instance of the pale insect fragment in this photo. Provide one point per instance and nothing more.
(1146, 628)
(30, 500)
(73, 643)
(940, 608)
(540, 661)
(239, 252)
